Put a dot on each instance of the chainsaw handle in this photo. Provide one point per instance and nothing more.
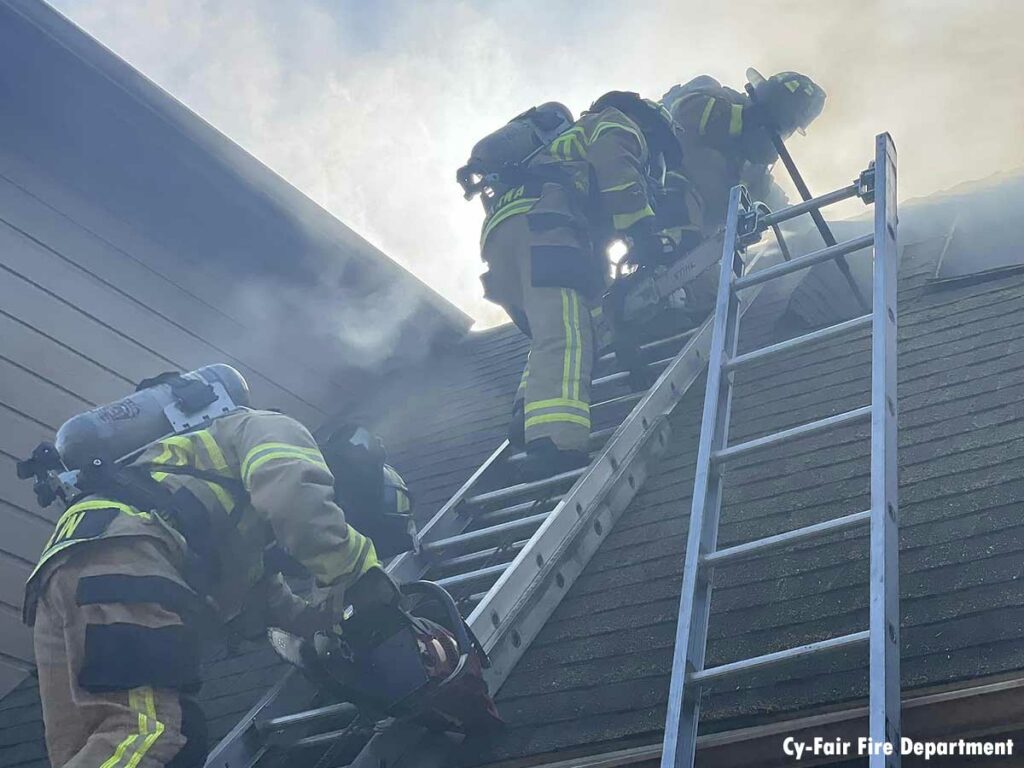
(431, 590)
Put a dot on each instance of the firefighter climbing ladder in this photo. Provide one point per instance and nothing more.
(510, 551)
(689, 675)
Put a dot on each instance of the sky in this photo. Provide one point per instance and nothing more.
(369, 106)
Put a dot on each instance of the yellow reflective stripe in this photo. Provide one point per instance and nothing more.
(149, 728)
(147, 724)
(85, 506)
(526, 375)
(607, 125)
(553, 418)
(567, 357)
(273, 455)
(223, 496)
(706, 115)
(352, 559)
(115, 758)
(620, 187)
(565, 142)
(736, 120)
(522, 205)
(558, 402)
(70, 519)
(579, 345)
(216, 455)
(623, 221)
(253, 453)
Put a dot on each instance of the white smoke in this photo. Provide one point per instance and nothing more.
(370, 107)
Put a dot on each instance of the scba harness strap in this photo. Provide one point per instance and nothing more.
(182, 510)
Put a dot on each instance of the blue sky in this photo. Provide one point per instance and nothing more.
(369, 106)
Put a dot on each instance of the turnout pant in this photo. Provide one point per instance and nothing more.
(117, 659)
(553, 400)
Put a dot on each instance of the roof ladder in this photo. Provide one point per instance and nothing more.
(689, 674)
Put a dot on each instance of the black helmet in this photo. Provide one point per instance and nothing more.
(375, 499)
(791, 100)
(654, 120)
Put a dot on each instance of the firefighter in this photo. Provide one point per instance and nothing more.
(156, 550)
(556, 193)
(724, 137)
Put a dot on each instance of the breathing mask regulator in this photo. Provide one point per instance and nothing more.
(168, 404)
(372, 494)
(495, 160)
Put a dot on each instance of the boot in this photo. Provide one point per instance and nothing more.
(517, 427)
(544, 459)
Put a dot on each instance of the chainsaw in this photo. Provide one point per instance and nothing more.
(400, 652)
(647, 301)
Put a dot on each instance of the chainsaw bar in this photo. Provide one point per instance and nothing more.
(650, 290)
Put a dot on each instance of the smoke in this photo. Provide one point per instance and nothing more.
(370, 107)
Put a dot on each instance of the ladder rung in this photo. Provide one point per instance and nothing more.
(815, 257)
(785, 346)
(596, 439)
(471, 577)
(464, 563)
(757, 662)
(609, 356)
(344, 709)
(500, 515)
(320, 739)
(814, 427)
(751, 548)
(624, 375)
(620, 400)
(465, 541)
(521, 489)
(791, 212)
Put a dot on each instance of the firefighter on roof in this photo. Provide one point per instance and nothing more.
(156, 549)
(723, 134)
(556, 192)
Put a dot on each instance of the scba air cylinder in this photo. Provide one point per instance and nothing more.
(117, 429)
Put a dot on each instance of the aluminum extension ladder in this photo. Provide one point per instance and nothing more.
(689, 675)
(507, 551)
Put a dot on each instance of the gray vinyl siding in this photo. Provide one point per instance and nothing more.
(81, 320)
(135, 239)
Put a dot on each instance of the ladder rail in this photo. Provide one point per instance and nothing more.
(689, 675)
(410, 566)
(884, 647)
(695, 596)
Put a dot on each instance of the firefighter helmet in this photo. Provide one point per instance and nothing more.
(791, 100)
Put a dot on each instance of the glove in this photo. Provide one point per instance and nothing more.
(375, 588)
(649, 248)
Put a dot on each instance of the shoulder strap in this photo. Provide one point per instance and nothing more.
(234, 487)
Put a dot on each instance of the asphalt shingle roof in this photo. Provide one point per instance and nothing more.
(597, 674)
